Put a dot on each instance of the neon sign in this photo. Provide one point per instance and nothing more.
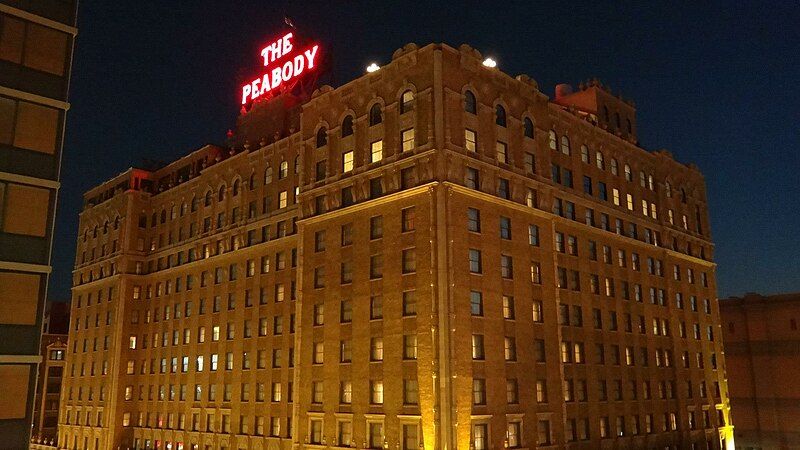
(283, 64)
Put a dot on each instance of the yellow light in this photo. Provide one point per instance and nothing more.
(489, 62)
(373, 67)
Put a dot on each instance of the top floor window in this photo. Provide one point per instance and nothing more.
(221, 195)
(565, 149)
(527, 126)
(470, 104)
(322, 137)
(500, 116)
(347, 126)
(552, 140)
(375, 114)
(406, 102)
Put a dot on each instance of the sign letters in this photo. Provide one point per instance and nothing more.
(283, 63)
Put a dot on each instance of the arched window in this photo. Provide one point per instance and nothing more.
(163, 215)
(552, 140)
(628, 173)
(616, 120)
(527, 126)
(252, 183)
(173, 212)
(565, 145)
(153, 220)
(105, 227)
(195, 203)
(500, 115)
(116, 222)
(375, 115)
(683, 195)
(183, 208)
(347, 126)
(322, 137)
(221, 193)
(208, 198)
(268, 175)
(668, 189)
(236, 186)
(629, 125)
(297, 164)
(600, 161)
(470, 104)
(283, 170)
(94, 231)
(406, 102)
(614, 166)
(584, 154)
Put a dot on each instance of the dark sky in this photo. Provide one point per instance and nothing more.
(716, 84)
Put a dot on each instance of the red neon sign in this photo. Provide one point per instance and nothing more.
(283, 64)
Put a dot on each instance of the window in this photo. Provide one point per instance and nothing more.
(376, 397)
(407, 139)
(543, 433)
(527, 127)
(474, 220)
(473, 180)
(477, 347)
(322, 137)
(408, 216)
(538, 316)
(506, 267)
(502, 152)
(347, 161)
(552, 140)
(478, 391)
(409, 260)
(470, 140)
(376, 151)
(347, 126)
(409, 303)
(376, 227)
(530, 163)
(410, 346)
(533, 235)
(475, 261)
(470, 104)
(406, 102)
(375, 114)
(565, 147)
(476, 303)
(505, 228)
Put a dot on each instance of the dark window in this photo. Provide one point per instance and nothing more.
(470, 104)
(375, 188)
(500, 116)
(347, 126)
(375, 115)
(527, 125)
(322, 137)
(347, 196)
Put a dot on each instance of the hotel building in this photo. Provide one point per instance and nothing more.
(434, 255)
(761, 346)
(36, 40)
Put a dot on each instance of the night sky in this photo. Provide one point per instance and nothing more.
(717, 85)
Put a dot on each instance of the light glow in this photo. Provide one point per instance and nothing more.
(277, 73)
(373, 68)
(489, 62)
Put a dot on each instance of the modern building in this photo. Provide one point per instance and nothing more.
(762, 347)
(51, 370)
(434, 255)
(36, 40)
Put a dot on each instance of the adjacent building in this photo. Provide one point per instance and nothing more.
(51, 370)
(36, 40)
(434, 255)
(762, 347)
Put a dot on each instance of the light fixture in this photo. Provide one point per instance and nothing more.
(489, 62)
(373, 67)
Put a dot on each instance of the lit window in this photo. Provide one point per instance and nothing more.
(407, 138)
(376, 151)
(283, 199)
(470, 139)
(347, 161)
(502, 152)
